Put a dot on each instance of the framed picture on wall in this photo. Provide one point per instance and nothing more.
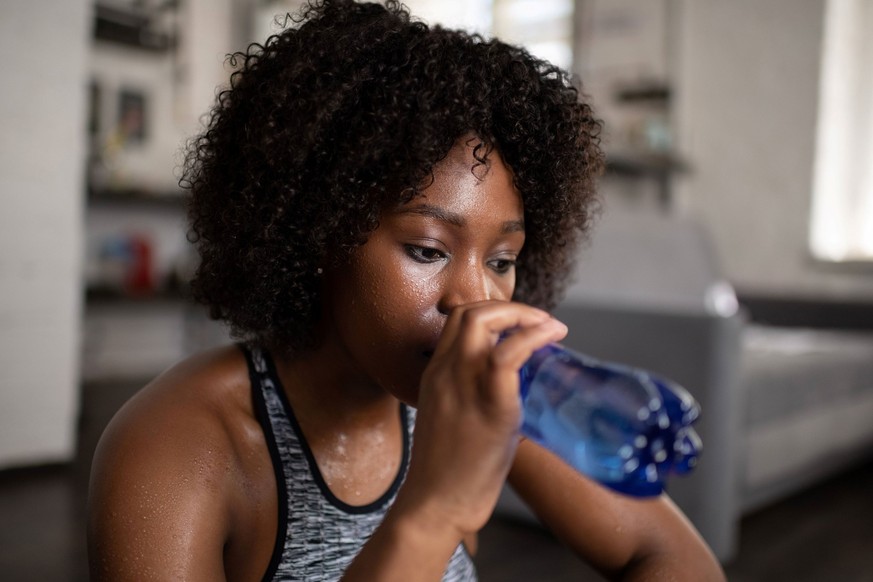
(132, 112)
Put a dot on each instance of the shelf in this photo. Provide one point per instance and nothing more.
(130, 27)
(654, 93)
(644, 165)
(109, 296)
(136, 198)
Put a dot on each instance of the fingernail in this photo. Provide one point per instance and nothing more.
(557, 324)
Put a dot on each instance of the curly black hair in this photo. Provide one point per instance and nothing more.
(344, 114)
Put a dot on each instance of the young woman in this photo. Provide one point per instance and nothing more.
(375, 203)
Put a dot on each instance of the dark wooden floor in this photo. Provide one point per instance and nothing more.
(822, 534)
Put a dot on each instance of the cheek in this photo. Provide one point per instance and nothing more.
(419, 286)
(392, 299)
(503, 287)
(387, 320)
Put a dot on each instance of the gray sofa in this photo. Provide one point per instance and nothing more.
(783, 407)
(808, 410)
(647, 293)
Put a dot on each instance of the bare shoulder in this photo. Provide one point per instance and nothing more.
(192, 408)
(168, 469)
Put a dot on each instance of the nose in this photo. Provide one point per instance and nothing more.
(467, 284)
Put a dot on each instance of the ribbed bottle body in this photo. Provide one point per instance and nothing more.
(621, 426)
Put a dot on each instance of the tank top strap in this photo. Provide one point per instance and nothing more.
(318, 534)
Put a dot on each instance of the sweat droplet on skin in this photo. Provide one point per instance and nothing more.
(340, 448)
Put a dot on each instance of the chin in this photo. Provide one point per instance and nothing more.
(406, 392)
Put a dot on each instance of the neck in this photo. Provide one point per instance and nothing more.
(322, 385)
(351, 423)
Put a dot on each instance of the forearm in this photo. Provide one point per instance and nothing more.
(673, 568)
(622, 537)
(672, 550)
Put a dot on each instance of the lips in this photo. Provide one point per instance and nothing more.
(429, 346)
(430, 341)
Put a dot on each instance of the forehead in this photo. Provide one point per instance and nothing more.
(467, 187)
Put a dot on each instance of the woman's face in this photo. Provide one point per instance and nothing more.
(455, 244)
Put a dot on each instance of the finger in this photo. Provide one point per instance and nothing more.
(509, 356)
(475, 328)
(483, 327)
(516, 349)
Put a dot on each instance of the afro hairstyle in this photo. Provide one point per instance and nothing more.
(344, 114)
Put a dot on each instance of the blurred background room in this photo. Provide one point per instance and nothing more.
(734, 252)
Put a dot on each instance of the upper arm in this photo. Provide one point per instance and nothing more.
(614, 533)
(156, 503)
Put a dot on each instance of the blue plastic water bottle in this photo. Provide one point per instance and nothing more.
(624, 427)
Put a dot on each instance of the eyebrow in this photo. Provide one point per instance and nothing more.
(456, 219)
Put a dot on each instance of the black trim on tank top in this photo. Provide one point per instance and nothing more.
(263, 417)
(313, 465)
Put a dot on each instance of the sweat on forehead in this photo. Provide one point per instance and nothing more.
(468, 159)
(469, 185)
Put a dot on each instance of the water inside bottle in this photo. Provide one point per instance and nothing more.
(621, 426)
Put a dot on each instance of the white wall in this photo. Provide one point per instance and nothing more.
(179, 87)
(150, 165)
(211, 31)
(135, 342)
(746, 111)
(42, 113)
(49, 62)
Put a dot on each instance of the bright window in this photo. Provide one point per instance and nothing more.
(544, 27)
(842, 209)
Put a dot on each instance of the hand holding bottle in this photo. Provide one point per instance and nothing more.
(469, 412)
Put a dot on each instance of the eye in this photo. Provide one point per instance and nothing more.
(503, 266)
(424, 254)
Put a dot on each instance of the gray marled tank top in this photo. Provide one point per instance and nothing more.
(318, 534)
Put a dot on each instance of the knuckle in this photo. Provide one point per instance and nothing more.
(498, 360)
(471, 317)
(457, 312)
